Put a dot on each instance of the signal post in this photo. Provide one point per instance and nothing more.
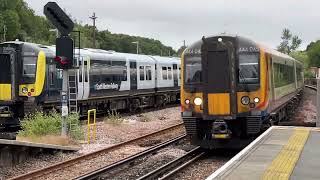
(64, 52)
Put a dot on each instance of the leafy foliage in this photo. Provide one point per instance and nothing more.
(313, 50)
(289, 42)
(23, 24)
(113, 118)
(40, 124)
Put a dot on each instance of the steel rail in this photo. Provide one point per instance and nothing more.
(126, 161)
(311, 87)
(60, 165)
(175, 165)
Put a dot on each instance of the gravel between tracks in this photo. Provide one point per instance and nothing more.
(306, 112)
(132, 126)
(204, 167)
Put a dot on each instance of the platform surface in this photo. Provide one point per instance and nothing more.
(279, 153)
(4, 142)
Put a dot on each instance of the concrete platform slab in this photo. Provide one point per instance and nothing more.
(4, 142)
(13, 152)
(279, 153)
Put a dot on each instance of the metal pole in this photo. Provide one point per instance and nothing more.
(65, 103)
(137, 47)
(4, 32)
(94, 17)
(318, 103)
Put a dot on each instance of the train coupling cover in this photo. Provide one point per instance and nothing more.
(220, 130)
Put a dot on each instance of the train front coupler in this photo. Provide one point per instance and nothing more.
(220, 130)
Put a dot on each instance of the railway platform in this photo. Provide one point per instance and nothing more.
(14, 151)
(281, 152)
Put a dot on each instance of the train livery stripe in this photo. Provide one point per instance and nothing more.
(219, 104)
(282, 166)
(5, 92)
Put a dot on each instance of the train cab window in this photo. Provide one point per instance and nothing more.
(169, 73)
(164, 73)
(249, 68)
(148, 73)
(141, 69)
(193, 69)
(29, 66)
(5, 69)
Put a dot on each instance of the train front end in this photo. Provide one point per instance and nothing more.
(22, 76)
(224, 91)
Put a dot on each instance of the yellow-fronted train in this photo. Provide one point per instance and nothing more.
(233, 88)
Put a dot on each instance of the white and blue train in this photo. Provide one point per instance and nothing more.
(106, 80)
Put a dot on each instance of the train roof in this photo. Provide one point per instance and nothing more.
(244, 39)
(98, 54)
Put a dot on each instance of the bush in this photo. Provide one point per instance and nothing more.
(144, 118)
(113, 118)
(40, 124)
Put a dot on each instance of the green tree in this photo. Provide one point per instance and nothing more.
(289, 42)
(11, 21)
(313, 52)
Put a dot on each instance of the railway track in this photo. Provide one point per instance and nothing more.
(119, 169)
(311, 87)
(70, 168)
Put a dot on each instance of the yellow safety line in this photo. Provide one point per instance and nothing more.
(283, 165)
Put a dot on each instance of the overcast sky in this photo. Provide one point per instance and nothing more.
(172, 21)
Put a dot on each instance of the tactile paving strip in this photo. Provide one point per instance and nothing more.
(283, 165)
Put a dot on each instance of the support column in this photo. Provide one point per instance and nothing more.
(318, 103)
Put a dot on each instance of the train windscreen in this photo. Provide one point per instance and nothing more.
(193, 69)
(249, 68)
(5, 69)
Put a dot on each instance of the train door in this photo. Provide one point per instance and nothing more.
(175, 75)
(133, 75)
(80, 78)
(83, 78)
(8, 74)
(219, 77)
(86, 85)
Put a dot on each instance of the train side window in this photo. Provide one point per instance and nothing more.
(59, 74)
(164, 73)
(148, 73)
(141, 73)
(85, 70)
(51, 71)
(179, 72)
(169, 73)
(124, 76)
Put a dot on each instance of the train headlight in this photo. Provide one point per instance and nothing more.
(245, 100)
(187, 101)
(256, 100)
(197, 101)
(24, 90)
